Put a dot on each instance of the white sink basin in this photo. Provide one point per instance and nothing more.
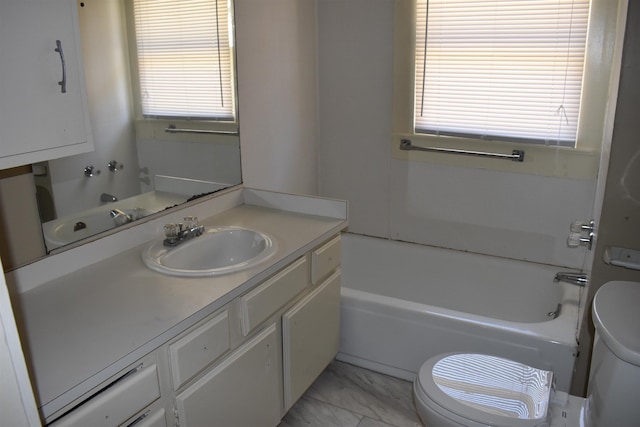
(218, 250)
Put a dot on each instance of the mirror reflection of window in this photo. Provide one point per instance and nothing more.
(184, 59)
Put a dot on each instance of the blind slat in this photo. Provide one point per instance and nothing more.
(500, 68)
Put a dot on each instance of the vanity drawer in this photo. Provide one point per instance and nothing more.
(325, 259)
(118, 401)
(193, 352)
(263, 301)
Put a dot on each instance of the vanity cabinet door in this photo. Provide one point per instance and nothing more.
(311, 336)
(243, 390)
(37, 120)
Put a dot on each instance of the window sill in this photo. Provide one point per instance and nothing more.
(538, 160)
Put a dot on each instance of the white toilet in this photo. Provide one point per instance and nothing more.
(463, 389)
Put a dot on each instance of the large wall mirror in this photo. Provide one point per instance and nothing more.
(143, 162)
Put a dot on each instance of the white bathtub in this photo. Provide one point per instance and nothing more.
(403, 303)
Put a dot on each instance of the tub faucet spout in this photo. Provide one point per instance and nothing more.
(120, 217)
(579, 279)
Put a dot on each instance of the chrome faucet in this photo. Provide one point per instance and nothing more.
(579, 279)
(120, 217)
(181, 232)
(104, 197)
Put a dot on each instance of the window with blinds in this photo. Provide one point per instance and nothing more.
(184, 56)
(500, 69)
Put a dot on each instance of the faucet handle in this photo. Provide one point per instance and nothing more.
(171, 230)
(190, 222)
(114, 166)
(578, 226)
(573, 241)
(90, 171)
(576, 239)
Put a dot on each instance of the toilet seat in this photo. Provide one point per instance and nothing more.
(477, 389)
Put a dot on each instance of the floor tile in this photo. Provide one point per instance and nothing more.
(368, 422)
(309, 412)
(373, 395)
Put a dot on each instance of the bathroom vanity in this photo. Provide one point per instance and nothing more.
(112, 342)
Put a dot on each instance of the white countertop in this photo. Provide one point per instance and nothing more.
(85, 326)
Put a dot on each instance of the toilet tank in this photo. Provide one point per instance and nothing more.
(614, 379)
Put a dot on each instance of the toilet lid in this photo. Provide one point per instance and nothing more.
(487, 389)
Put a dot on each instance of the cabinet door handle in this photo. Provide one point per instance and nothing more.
(63, 82)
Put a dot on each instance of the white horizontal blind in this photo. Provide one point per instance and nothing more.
(500, 69)
(184, 58)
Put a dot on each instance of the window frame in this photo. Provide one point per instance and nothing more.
(601, 74)
(148, 127)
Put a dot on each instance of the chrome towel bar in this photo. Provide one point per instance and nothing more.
(516, 155)
(173, 129)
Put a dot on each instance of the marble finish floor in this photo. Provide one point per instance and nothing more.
(348, 396)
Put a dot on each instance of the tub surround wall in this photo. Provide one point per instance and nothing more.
(492, 287)
(505, 214)
(509, 215)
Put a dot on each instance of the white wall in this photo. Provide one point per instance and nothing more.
(17, 402)
(105, 58)
(276, 61)
(505, 214)
(355, 74)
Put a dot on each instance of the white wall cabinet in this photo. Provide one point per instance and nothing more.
(244, 365)
(38, 121)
